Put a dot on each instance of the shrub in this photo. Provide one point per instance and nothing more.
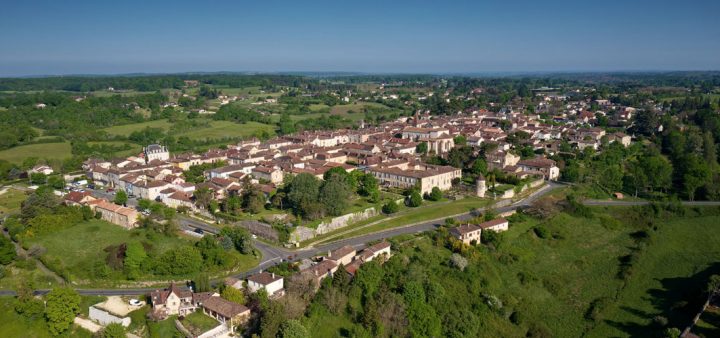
(459, 261)
(414, 200)
(541, 232)
(390, 207)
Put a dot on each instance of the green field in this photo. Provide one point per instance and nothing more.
(222, 129)
(127, 129)
(136, 148)
(15, 325)
(79, 248)
(10, 201)
(56, 151)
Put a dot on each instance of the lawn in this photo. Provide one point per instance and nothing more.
(15, 325)
(198, 323)
(79, 249)
(10, 200)
(127, 129)
(223, 129)
(43, 151)
(163, 329)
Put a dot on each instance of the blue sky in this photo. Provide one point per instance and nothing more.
(107, 37)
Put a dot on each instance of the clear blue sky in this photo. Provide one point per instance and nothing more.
(105, 37)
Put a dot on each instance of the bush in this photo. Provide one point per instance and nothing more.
(541, 232)
(414, 200)
(390, 207)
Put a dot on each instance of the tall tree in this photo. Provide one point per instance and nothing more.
(335, 195)
(62, 304)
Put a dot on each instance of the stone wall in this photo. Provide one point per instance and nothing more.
(260, 229)
(345, 220)
(302, 233)
(104, 317)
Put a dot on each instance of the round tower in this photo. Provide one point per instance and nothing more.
(480, 187)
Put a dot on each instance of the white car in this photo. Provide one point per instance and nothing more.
(135, 302)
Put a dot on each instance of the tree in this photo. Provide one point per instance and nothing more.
(697, 174)
(335, 195)
(143, 204)
(121, 197)
(293, 329)
(390, 207)
(240, 238)
(253, 200)
(203, 196)
(202, 282)
(414, 200)
(479, 167)
(435, 194)
(7, 250)
(421, 148)
(134, 257)
(114, 330)
(232, 294)
(303, 191)
(459, 261)
(62, 304)
(38, 178)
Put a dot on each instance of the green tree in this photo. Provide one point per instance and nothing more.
(390, 207)
(421, 148)
(253, 200)
(62, 304)
(697, 174)
(114, 330)
(232, 294)
(335, 195)
(135, 256)
(38, 178)
(293, 329)
(303, 192)
(121, 197)
(7, 250)
(414, 200)
(202, 283)
(435, 194)
(144, 204)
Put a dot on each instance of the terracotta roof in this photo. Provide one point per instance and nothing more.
(464, 229)
(224, 307)
(342, 252)
(264, 278)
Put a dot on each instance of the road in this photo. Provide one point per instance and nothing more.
(273, 255)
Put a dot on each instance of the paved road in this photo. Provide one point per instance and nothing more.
(273, 255)
(636, 203)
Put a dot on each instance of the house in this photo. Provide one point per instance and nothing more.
(381, 249)
(467, 233)
(343, 255)
(41, 169)
(77, 198)
(425, 176)
(172, 301)
(113, 213)
(225, 311)
(497, 225)
(544, 166)
(272, 175)
(156, 152)
(272, 283)
(320, 271)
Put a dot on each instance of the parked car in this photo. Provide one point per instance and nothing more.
(199, 231)
(134, 302)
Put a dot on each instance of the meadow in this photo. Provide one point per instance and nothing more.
(127, 129)
(52, 151)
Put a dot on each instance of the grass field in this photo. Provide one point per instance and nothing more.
(79, 248)
(136, 148)
(221, 129)
(15, 325)
(678, 262)
(43, 151)
(127, 129)
(162, 329)
(10, 201)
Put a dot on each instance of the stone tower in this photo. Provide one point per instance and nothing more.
(480, 187)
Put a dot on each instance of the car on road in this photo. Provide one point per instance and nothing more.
(199, 231)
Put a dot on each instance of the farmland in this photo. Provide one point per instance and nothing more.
(52, 151)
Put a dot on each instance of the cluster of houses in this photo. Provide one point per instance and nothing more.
(388, 151)
(113, 213)
(181, 302)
